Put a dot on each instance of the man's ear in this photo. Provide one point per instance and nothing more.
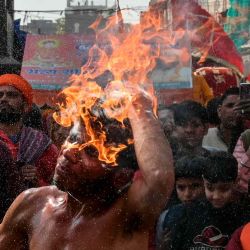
(219, 111)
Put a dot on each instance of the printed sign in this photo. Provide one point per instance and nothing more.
(49, 60)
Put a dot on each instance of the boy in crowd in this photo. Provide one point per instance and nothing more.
(191, 125)
(188, 184)
(207, 223)
(188, 178)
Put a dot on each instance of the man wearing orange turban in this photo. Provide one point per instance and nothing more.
(18, 83)
(31, 149)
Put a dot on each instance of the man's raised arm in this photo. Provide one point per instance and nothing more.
(153, 185)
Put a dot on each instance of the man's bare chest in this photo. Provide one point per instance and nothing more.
(106, 231)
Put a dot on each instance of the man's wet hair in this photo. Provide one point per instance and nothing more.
(190, 166)
(117, 133)
(228, 92)
(187, 110)
(120, 135)
(221, 167)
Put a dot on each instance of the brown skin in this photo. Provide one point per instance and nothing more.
(47, 218)
(189, 189)
(191, 134)
(12, 99)
(219, 194)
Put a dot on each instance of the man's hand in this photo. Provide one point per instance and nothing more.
(243, 107)
(142, 103)
(30, 174)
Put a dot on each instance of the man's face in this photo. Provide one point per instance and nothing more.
(229, 118)
(190, 134)
(12, 104)
(189, 189)
(76, 167)
(219, 194)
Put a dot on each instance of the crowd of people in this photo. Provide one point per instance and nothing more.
(183, 184)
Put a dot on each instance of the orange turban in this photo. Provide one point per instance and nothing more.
(19, 83)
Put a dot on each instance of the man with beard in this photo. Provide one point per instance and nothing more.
(31, 150)
(94, 211)
(225, 136)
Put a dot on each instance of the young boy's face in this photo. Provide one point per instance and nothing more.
(189, 189)
(191, 133)
(219, 194)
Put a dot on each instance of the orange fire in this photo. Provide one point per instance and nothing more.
(129, 54)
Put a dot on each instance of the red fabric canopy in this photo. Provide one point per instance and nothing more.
(208, 38)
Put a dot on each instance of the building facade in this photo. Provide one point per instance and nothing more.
(41, 27)
(79, 17)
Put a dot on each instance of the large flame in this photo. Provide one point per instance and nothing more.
(129, 54)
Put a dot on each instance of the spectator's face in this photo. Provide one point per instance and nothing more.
(166, 118)
(190, 134)
(12, 104)
(10, 99)
(189, 189)
(219, 194)
(229, 118)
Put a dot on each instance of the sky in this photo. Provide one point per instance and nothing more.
(61, 4)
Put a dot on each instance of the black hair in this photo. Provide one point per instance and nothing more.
(190, 166)
(212, 113)
(228, 92)
(221, 167)
(187, 110)
(116, 133)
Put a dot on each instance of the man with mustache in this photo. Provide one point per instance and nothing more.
(32, 150)
(91, 207)
(226, 134)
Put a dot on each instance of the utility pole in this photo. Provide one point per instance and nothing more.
(7, 62)
(3, 29)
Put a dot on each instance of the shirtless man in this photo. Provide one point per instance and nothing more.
(89, 213)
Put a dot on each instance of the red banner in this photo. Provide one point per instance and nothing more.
(49, 61)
